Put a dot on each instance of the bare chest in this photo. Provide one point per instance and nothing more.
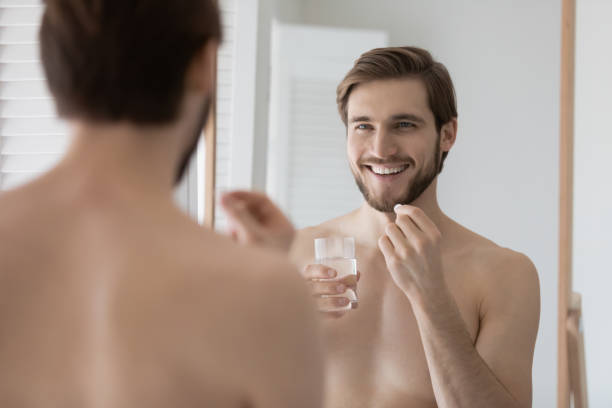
(375, 354)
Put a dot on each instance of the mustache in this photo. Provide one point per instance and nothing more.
(391, 159)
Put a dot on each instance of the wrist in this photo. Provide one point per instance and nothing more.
(429, 300)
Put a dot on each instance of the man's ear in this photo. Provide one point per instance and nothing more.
(448, 135)
(201, 72)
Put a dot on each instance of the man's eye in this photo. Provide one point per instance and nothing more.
(405, 125)
(362, 126)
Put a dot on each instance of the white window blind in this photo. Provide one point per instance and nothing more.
(32, 139)
(225, 79)
(235, 98)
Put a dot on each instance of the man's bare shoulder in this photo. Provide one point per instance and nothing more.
(264, 322)
(208, 258)
(28, 214)
(19, 202)
(499, 271)
(156, 240)
(215, 249)
(332, 226)
(252, 299)
(303, 244)
(493, 259)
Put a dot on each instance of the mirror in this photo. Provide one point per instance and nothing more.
(501, 177)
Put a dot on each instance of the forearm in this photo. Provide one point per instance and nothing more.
(460, 377)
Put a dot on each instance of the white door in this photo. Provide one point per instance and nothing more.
(308, 173)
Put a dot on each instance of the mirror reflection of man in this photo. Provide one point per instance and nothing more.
(111, 296)
(446, 317)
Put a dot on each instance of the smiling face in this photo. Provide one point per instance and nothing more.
(394, 148)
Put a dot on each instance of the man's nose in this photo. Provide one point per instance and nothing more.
(383, 144)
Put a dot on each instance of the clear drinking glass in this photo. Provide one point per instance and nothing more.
(339, 253)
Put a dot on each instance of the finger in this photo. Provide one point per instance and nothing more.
(268, 210)
(409, 229)
(251, 197)
(340, 312)
(420, 219)
(386, 247)
(330, 304)
(397, 238)
(353, 282)
(317, 271)
(242, 221)
(249, 200)
(326, 288)
(258, 203)
(348, 280)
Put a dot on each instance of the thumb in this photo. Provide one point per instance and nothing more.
(245, 225)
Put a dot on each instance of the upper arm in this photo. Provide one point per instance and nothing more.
(289, 351)
(510, 313)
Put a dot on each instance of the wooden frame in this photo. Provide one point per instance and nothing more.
(210, 162)
(568, 29)
(576, 358)
(571, 379)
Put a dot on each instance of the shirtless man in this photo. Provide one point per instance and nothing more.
(110, 296)
(446, 317)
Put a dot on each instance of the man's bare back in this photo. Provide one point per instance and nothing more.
(375, 354)
(110, 296)
(111, 300)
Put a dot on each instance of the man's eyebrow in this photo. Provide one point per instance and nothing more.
(408, 116)
(400, 116)
(360, 119)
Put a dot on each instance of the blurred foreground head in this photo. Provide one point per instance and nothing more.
(126, 60)
(113, 60)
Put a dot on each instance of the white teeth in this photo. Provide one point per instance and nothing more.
(382, 170)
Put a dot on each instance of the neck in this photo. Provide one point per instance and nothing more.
(122, 158)
(375, 221)
(128, 160)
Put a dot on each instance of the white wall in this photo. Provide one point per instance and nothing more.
(593, 191)
(286, 11)
(502, 177)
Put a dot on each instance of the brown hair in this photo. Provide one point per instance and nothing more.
(403, 62)
(112, 60)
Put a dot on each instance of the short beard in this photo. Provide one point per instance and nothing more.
(422, 180)
(193, 145)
